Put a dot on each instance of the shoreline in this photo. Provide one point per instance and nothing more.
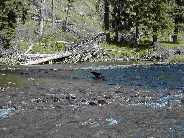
(110, 61)
(114, 62)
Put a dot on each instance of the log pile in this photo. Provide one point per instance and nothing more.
(85, 50)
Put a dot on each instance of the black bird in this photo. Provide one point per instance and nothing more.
(97, 76)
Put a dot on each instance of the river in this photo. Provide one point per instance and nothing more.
(68, 101)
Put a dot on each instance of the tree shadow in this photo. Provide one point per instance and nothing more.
(142, 45)
(168, 42)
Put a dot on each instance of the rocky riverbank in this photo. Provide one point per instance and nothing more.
(91, 51)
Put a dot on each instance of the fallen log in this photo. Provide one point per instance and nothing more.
(38, 55)
(81, 51)
(48, 58)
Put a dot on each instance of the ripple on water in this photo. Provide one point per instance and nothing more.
(153, 77)
(164, 101)
(177, 131)
(103, 122)
(4, 113)
(179, 127)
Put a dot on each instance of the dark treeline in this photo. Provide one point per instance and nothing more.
(149, 18)
(143, 17)
(12, 12)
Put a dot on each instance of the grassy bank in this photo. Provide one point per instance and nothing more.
(125, 50)
(172, 45)
(141, 51)
(47, 45)
(176, 58)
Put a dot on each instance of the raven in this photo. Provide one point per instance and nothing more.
(97, 76)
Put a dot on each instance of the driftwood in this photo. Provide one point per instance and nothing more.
(85, 46)
(29, 49)
(33, 56)
(44, 58)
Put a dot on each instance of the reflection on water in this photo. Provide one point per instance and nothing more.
(103, 122)
(163, 101)
(11, 80)
(151, 77)
(154, 77)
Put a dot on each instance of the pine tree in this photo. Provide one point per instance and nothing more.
(67, 10)
(106, 19)
(178, 18)
(53, 13)
(158, 18)
(11, 12)
(151, 14)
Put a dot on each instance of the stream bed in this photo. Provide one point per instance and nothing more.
(68, 101)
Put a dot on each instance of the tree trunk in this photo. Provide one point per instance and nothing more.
(176, 30)
(42, 18)
(155, 38)
(2, 42)
(53, 15)
(137, 34)
(116, 36)
(175, 37)
(67, 15)
(106, 20)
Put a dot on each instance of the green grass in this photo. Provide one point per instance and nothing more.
(172, 45)
(11, 80)
(177, 59)
(42, 48)
(47, 45)
(119, 51)
(23, 45)
(84, 15)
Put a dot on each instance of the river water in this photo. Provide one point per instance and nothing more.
(68, 101)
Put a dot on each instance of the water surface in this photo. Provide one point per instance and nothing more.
(130, 101)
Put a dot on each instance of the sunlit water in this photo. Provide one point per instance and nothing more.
(152, 77)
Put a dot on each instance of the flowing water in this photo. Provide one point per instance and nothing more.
(68, 101)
